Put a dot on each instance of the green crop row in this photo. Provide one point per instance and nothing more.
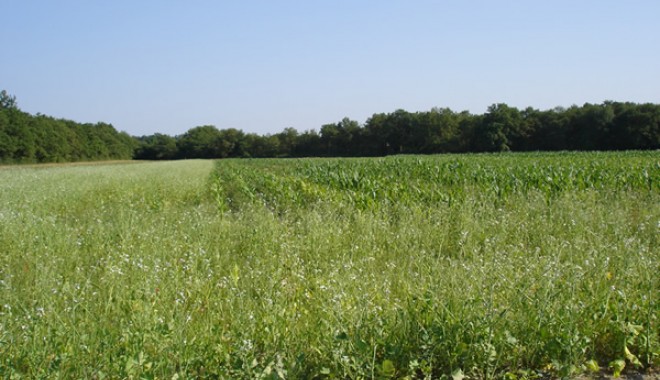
(370, 183)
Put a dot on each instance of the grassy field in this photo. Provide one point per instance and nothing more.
(479, 266)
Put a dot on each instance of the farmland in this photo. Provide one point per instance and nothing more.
(486, 266)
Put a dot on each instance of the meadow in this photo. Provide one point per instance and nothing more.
(512, 266)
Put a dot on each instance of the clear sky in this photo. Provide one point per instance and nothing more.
(166, 66)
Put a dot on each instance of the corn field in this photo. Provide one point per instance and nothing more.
(488, 266)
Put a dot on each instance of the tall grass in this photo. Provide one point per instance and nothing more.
(487, 266)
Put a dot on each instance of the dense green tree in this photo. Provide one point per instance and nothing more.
(39, 138)
(52, 136)
(588, 126)
(262, 146)
(376, 133)
(7, 143)
(490, 134)
(288, 140)
(156, 147)
(229, 143)
(635, 127)
(351, 137)
(345, 138)
(547, 129)
(199, 142)
(610, 125)
(399, 128)
(438, 131)
(329, 139)
(7, 101)
(25, 143)
(308, 144)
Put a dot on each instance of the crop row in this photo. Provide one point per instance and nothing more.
(432, 180)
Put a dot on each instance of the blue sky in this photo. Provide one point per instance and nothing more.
(261, 66)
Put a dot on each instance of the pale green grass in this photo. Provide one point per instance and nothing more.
(272, 268)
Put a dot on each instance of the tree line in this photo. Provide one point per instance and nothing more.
(606, 126)
(26, 138)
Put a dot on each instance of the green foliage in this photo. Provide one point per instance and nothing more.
(607, 126)
(25, 138)
(156, 147)
(7, 101)
(200, 142)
